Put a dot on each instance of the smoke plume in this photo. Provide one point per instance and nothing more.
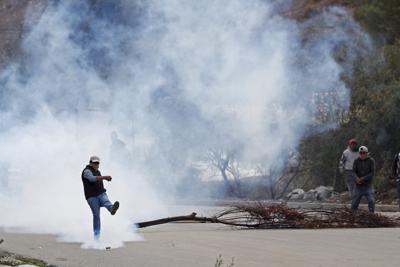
(150, 87)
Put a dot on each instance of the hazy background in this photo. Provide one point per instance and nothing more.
(150, 87)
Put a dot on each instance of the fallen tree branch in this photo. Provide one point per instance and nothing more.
(191, 217)
(263, 216)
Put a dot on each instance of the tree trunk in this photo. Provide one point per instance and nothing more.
(192, 217)
(229, 188)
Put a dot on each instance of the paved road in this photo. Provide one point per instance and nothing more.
(191, 245)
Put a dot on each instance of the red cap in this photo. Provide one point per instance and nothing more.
(353, 141)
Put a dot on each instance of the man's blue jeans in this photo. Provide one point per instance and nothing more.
(350, 182)
(95, 203)
(368, 192)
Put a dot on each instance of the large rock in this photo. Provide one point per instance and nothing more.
(296, 194)
(311, 195)
(323, 192)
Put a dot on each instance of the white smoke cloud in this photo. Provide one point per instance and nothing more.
(173, 79)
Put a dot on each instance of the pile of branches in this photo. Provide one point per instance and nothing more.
(280, 216)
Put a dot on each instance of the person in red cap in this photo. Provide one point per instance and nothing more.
(346, 165)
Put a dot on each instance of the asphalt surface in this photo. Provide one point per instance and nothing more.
(191, 244)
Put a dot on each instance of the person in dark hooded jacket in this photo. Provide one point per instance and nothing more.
(364, 170)
(396, 173)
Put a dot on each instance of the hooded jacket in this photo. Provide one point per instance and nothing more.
(364, 168)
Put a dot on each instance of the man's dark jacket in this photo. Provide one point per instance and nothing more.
(395, 167)
(92, 189)
(364, 168)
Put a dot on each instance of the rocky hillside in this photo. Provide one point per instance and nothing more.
(13, 19)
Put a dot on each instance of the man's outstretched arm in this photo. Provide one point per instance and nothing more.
(87, 174)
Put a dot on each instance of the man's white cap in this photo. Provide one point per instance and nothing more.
(94, 159)
(363, 149)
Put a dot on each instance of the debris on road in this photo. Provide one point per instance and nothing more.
(280, 216)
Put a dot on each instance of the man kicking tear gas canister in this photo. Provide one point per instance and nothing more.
(95, 192)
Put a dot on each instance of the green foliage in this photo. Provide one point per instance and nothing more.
(31, 261)
(322, 152)
(392, 56)
(374, 114)
(379, 17)
(9, 259)
(383, 175)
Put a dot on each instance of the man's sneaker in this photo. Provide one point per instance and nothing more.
(114, 207)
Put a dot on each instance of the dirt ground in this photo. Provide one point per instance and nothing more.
(191, 244)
